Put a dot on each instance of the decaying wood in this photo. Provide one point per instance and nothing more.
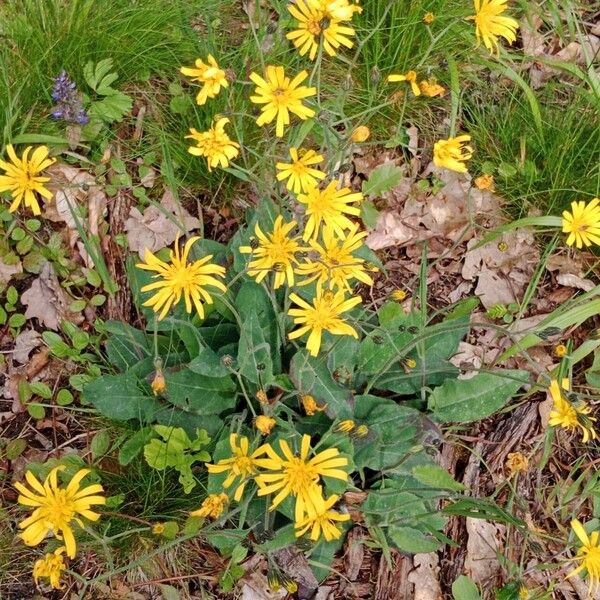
(393, 583)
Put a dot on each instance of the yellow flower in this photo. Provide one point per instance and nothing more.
(485, 182)
(158, 384)
(241, 465)
(410, 77)
(214, 144)
(276, 251)
(320, 518)
(342, 10)
(582, 223)
(22, 178)
(516, 463)
(315, 22)
(296, 475)
(523, 593)
(361, 134)
(264, 424)
(410, 363)
(322, 315)
(588, 554)
(310, 405)
(428, 18)
(490, 25)
(334, 263)
(452, 153)
(212, 506)
(180, 278)
(281, 96)
(570, 416)
(431, 89)
(158, 528)
(51, 567)
(399, 295)
(210, 75)
(561, 350)
(345, 426)
(299, 173)
(262, 397)
(55, 507)
(361, 431)
(328, 206)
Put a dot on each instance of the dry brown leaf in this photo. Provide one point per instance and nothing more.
(158, 227)
(25, 342)
(483, 543)
(574, 281)
(7, 271)
(391, 230)
(47, 301)
(469, 359)
(425, 577)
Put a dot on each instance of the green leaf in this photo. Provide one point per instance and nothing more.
(382, 179)
(254, 352)
(64, 397)
(100, 444)
(412, 540)
(111, 108)
(209, 364)
(465, 400)
(436, 477)
(40, 138)
(465, 589)
(126, 345)
(15, 448)
(133, 446)
(36, 410)
(369, 214)
(41, 389)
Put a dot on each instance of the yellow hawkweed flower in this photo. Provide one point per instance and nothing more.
(322, 315)
(158, 528)
(56, 508)
(315, 22)
(361, 134)
(241, 465)
(310, 405)
(212, 506)
(516, 463)
(262, 397)
(327, 206)
(264, 424)
(341, 10)
(51, 567)
(158, 384)
(582, 223)
(485, 182)
(296, 475)
(523, 593)
(431, 89)
(320, 518)
(410, 77)
(275, 250)
(452, 153)
(210, 75)
(281, 96)
(570, 416)
(345, 426)
(428, 18)
(299, 173)
(180, 278)
(398, 295)
(22, 178)
(214, 145)
(588, 554)
(361, 431)
(561, 350)
(490, 25)
(334, 264)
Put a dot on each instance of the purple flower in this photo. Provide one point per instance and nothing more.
(68, 101)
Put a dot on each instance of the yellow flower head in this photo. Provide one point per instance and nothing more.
(180, 278)
(51, 567)
(428, 18)
(212, 506)
(410, 77)
(241, 465)
(490, 24)
(320, 519)
(264, 424)
(56, 508)
(209, 75)
(322, 315)
(516, 463)
(361, 134)
(158, 384)
(570, 416)
(300, 174)
(345, 426)
(485, 182)
(361, 431)
(262, 397)
(296, 475)
(561, 350)
(214, 145)
(22, 178)
(277, 251)
(321, 21)
(327, 206)
(398, 295)
(280, 97)
(431, 89)
(310, 405)
(334, 265)
(582, 223)
(158, 528)
(452, 153)
(588, 554)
